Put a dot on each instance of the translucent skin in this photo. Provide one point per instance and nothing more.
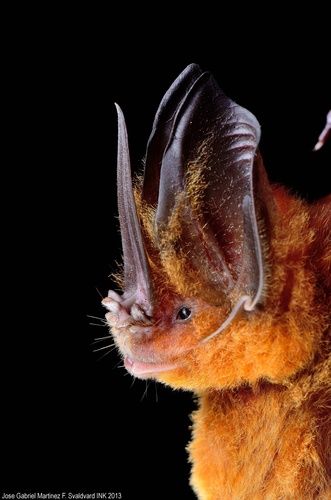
(263, 427)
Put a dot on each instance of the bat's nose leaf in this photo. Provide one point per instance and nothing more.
(137, 280)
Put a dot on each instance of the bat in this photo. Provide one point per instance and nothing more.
(225, 292)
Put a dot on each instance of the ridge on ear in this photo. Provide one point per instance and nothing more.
(162, 128)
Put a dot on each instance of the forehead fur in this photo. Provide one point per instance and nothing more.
(169, 253)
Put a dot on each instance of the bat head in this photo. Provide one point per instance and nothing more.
(195, 231)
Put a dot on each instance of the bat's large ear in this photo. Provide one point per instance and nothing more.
(200, 133)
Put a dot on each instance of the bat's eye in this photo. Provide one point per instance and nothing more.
(183, 313)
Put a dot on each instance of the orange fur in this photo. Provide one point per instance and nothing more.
(262, 429)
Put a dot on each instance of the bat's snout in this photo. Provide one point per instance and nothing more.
(124, 312)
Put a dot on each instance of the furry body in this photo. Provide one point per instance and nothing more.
(194, 243)
(263, 427)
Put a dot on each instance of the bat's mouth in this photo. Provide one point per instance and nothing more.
(144, 370)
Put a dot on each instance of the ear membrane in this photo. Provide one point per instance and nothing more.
(200, 133)
(162, 130)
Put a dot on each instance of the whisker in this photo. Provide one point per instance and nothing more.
(105, 354)
(99, 339)
(108, 345)
(97, 317)
(97, 324)
(104, 347)
(99, 292)
(145, 391)
(133, 381)
(117, 364)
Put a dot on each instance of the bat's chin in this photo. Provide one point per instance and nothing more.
(143, 370)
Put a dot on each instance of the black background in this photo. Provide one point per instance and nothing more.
(72, 421)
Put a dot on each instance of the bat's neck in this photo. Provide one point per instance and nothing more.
(255, 443)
